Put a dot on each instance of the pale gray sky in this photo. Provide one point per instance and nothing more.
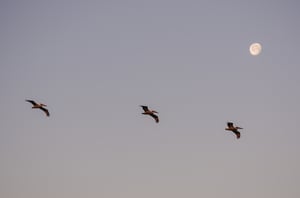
(95, 62)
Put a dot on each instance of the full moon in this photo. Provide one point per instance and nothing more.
(255, 49)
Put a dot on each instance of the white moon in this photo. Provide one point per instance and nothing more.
(255, 49)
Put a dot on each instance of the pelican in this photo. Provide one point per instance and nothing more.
(39, 106)
(234, 129)
(150, 113)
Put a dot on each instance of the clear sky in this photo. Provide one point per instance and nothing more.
(94, 62)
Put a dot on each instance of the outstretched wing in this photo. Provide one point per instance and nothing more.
(229, 124)
(145, 108)
(238, 134)
(46, 111)
(31, 101)
(155, 117)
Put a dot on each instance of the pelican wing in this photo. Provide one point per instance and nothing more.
(145, 108)
(45, 110)
(32, 102)
(229, 124)
(237, 133)
(155, 117)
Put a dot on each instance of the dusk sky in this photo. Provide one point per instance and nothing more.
(94, 62)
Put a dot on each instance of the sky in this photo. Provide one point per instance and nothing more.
(94, 62)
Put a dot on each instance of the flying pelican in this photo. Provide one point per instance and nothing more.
(39, 106)
(150, 113)
(234, 129)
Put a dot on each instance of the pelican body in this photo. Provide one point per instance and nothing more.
(150, 113)
(39, 106)
(234, 129)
